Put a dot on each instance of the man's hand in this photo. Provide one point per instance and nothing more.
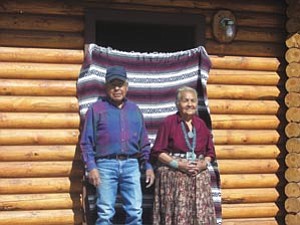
(94, 177)
(149, 177)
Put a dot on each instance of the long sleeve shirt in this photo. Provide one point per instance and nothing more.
(170, 138)
(111, 130)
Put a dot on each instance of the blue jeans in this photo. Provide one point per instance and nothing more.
(122, 175)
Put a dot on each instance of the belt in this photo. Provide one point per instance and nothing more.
(119, 156)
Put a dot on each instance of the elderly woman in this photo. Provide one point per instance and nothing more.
(183, 149)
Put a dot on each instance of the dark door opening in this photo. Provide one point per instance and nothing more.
(144, 37)
(144, 31)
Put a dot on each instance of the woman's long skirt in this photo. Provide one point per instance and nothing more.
(181, 199)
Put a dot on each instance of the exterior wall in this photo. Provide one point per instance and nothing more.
(292, 101)
(40, 55)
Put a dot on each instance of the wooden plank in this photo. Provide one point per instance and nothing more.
(38, 217)
(42, 55)
(41, 39)
(249, 195)
(232, 181)
(42, 7)
(243, 77)
(245, 63)
(247, 151)
(39, 120)
(41, 22)
(40, 185)
(258, 49)
(38, 104)
(41, 169)
(38, 136)
(246, 137)
(37, 87)
(39, 153)
(257, 210)
(40, 201)
(257, 107)
(57, 71)
(254, 166)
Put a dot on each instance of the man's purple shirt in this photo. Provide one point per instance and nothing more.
(111, 130)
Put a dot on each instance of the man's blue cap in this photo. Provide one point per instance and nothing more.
(115, 72)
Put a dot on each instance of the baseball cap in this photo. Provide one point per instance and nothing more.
(115, 72)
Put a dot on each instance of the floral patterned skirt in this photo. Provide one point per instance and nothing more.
(181, 199)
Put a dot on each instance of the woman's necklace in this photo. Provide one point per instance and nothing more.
(190, 155)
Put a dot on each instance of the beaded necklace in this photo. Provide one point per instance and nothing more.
(190, 155)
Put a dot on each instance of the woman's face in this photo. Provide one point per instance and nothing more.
(187, 104)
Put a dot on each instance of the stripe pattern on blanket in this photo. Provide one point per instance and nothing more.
(153, 81)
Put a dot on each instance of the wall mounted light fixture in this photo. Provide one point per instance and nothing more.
(224, 26)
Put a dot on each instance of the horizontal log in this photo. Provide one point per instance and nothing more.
(44, 7)
(244, 121)
(292, 205)
(243, 92)
(292, 25)
(257, 49)
(292, 219)
(38, 104)
(39, 120)
(40, 185)
(254, 221)
(292, 99)
(45, 217)
(292, 160)
(293, 41)
(257, 210)
(41, 22)
(254, 166)
(49, 71)
(292, 130)
(254, 6)
(243, 77)
(41, 169)
(41, 39)
(249, 195)
(293, 84)
(40, 202)
(40, 153)
(38, 137)
(292, 174)
(293, 114)
(246, 151)
(258, 34)
(292, 55)
(293, 145)
(57, 137)
(292, 190)
(37, 87)
(42, 55)
(249, 181)
(293, 69)
(254, 107)
(245, 63)
(246, 137)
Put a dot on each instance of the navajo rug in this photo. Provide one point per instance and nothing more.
(153, 81)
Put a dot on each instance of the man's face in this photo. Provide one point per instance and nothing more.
(117, 90)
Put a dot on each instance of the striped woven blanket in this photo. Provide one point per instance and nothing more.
(153, 81)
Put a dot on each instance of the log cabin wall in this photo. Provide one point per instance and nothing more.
(292, 100)
(40, 55)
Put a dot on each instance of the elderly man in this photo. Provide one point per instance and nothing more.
(115, 147)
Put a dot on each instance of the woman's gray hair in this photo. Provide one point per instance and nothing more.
(184, 89)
